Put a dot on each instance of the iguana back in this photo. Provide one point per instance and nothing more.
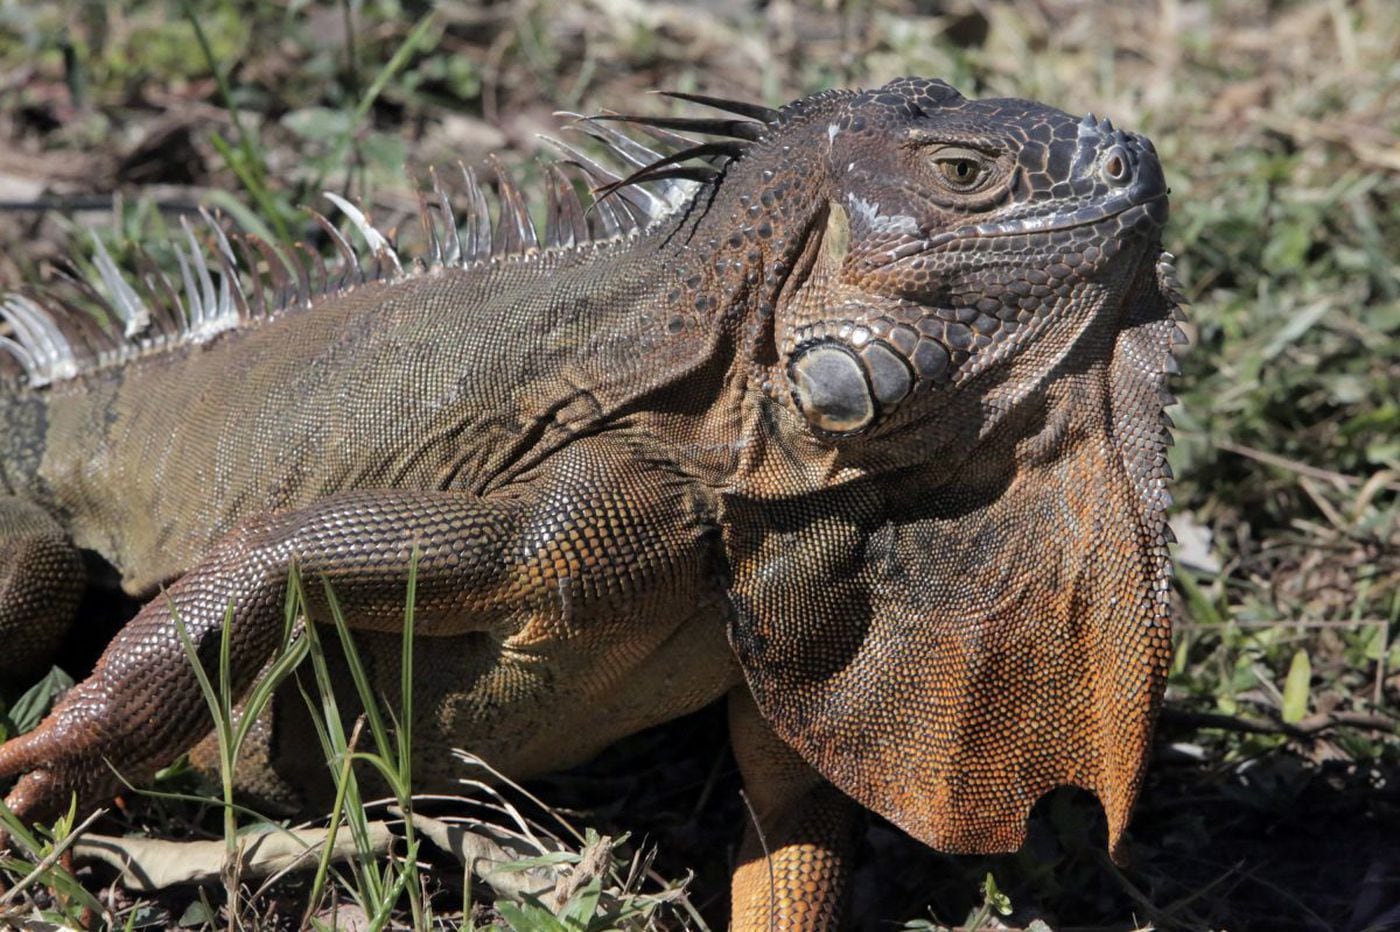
(443, 379)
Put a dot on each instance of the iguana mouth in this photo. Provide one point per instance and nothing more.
(1135, 213)
(1089, 215)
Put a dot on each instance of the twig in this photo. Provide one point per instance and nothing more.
(51, 858)
(1304, 729)
(89, 202)
(1371, 151)
(1246, 624)
(767, 859)
(147, 864)
(1295, 466)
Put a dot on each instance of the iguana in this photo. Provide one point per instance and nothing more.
(850, 412)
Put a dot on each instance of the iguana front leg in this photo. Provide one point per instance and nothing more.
(610, 527)
(795, 862)
(41, 583)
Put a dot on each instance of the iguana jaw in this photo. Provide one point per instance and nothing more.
(1123, 214)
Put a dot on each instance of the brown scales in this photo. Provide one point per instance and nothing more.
(852, 415)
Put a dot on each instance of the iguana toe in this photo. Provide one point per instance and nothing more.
(52, 764)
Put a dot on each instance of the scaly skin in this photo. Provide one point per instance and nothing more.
(868, 438)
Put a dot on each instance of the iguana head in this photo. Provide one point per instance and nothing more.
(948, 542)
(957, 233)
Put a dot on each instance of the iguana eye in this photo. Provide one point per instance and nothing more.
(960, 169)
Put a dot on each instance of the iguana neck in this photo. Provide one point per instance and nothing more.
(703, 351)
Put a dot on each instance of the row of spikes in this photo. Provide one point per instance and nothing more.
(53, 333)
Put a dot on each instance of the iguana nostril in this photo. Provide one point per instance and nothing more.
(830, 388)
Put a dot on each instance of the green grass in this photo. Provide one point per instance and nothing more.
(1277, 124)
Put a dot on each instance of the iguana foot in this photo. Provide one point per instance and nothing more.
(795, 862)
(35, 797)
(59, 759)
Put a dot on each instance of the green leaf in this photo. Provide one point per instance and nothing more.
(1198, 604)
(1287, 250)
(578, 913)
(1299, 324)
(529, 916)
(386, 150)
(993, 897)
(1295, 688)
(198, 915)
(30, 708)
(318, 124)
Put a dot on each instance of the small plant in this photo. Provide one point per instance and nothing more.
(993, 902)
(42, 866)
(232, 725)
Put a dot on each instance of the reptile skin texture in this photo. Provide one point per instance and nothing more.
(866, 435)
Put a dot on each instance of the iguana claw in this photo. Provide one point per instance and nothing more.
(65, 756)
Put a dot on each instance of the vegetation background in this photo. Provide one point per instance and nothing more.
(1274, 799)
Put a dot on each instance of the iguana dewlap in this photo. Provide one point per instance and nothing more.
(852, 414)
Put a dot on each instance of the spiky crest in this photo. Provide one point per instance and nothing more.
(229, 278)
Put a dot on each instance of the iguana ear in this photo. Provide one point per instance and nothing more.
(947, 650)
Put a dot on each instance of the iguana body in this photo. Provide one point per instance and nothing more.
(866, 435)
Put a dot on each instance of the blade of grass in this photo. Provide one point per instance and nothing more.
(247, 164)
(397, 773)
(330, 729)
(376, 87)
